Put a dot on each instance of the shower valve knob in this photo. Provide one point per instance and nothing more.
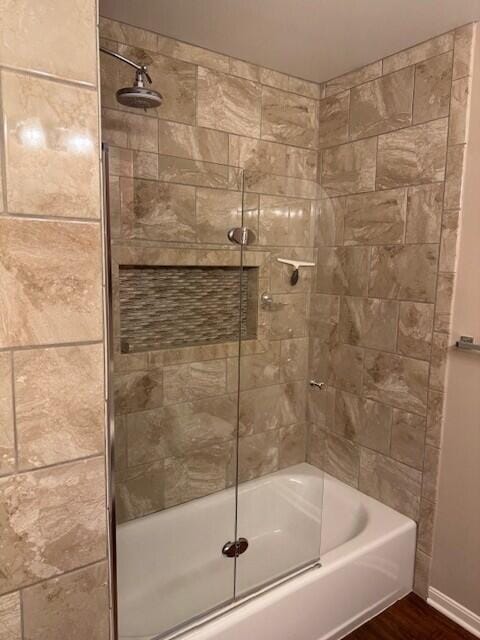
(317, 385)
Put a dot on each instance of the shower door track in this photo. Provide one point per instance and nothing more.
(203, 619)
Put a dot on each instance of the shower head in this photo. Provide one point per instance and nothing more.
(138, 96)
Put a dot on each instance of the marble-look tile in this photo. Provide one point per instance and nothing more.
(375, 218)
(288, 316)
(196, 173)
(280, 185)
(138, 390)
(430, 473)
(258, 455)
(415, 329)
(358, 76)
(422, 574)
(196, 143)
(341, 459)
(10, 617)
(459, 103)
(425, 526)
(397, 381)
(60, 413)
(257, 369)
(344, 368)
(349, 168)
(280, 274)
(258, 157)
(30, 43)
(219, 210)
(448, 242)
(393, 483)
(190, 53)
(139, 491)
(294, 359)
(53, 520)
(51, 153)
(144, 165)
(228, 103)
(443, 308)
(368, 322)
(415, 155)
(51, 276)
(418, 53)
(454, 177)
(130, 130)
(7, 442)
(199, 473)
(270, 408)
(463, 50)
(304, 87)
(284, 222)
(324, 315)
(274, 78)
(159, 211)
(73, 606)
(434, 418)
(194, 380)
(289, 118)
(404, 272)
(301, 163)
(244, 70)
(329, 221)
(291, 445)
(424, 213)
(342, 270)
(382, 105)
(333, 120)
(433, 82)
(180, 429)
(120, 162)
(364, 421)
(123, 32)
(320, 413)
(408, 438)
(438, 363)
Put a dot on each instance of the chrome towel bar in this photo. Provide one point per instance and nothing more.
(467, 343)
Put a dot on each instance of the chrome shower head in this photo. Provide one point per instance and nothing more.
(139, 96)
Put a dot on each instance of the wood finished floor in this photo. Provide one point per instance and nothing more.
(410, 619)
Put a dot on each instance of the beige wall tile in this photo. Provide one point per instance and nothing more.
(294, 359)
(324, 315)
(219, 210)
(364, 421)
(190, 53)
(53, 521)
(269, 408)
(10, 617)
(30, 42)
(412, 156)
(422, 573)
(453, 179)
(448, 242)
(341, 459)
(430, 473)
(333, 120)
(50, 275)
(358, 76)
(375, 218)
(408, 438)
(349, 168)
(51, 153)
(382, 105)
(7, 442)
(139, 491)
(368, 323)
(73, 606)
(130, 130)
(284, 222)
(425, 526)
(258, 455)
(244, 70)
(228, 103)
(444, 302)
(415, 329)
(433, 81)
(289, 118)
(259, 369)
(289, 316)
(274, 78)
(424, 213)
(196, 173)
(397, 381)
(440, 344)
(196, 143)
(304, 87)
(122, 32)
(404, 272)
(343, 270)
(321, 415)
(344, 368)
(462, 57)
(59, 415)
(138, 390)
(396, 485)
(194, 380)
(329, 221)
(457, 130)
(291, 445)
(434, 418)
(418, 53)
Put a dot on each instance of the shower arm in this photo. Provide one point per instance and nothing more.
(140, 68)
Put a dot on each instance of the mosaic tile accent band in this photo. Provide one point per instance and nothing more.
(169, 306)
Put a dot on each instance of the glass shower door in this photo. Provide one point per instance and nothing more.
(279, 495)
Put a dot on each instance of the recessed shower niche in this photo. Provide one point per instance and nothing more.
(172, 306)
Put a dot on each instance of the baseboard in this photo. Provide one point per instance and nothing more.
(455, 611)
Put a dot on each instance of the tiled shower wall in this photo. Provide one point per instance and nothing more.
(392, 139)
(53, 573)
(175, 184)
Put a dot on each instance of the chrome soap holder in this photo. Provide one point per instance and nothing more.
(296, 264)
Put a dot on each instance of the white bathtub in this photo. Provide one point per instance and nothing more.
(170, 566)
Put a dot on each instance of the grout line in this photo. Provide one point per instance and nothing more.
(53, 345)
(14, 411)
(3, 150)
(45, 75)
